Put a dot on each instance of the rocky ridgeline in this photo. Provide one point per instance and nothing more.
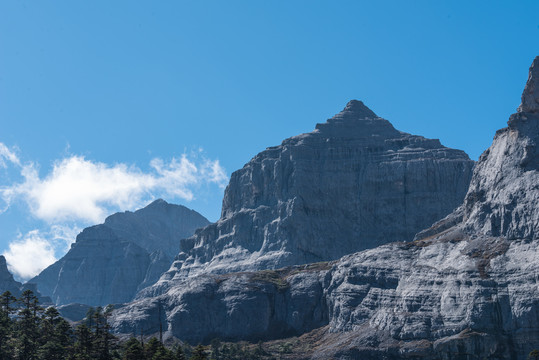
(110, 262)
(466, 288)
(353, 183)
(7, 282)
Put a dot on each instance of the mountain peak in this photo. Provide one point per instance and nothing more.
(158, 202)
(358, 110)
(530, 96)
(3, 263)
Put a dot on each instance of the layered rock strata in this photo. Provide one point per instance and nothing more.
(110, 262)
(353, 183)
(466, 288)
(7, 282)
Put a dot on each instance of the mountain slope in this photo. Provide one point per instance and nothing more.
(466, 288)
(7, 283)
(110, 262)
(353, 183)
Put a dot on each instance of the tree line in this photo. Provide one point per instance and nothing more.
(29, 331)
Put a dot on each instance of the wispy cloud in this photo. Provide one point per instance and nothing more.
(80, 189)
(9, 155)
(77, 192)
(29, 254)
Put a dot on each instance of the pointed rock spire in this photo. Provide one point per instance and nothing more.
(358, 110)
(530, 96)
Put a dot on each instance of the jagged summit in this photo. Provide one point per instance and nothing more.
(530, 96)
(466, 289)
(357, 120)
(158, 202)
(503, 193)
(6, 279)
(354, 183)
(358, 109)
(110, 262)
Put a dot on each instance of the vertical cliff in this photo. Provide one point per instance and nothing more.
(353, 183)
(466, 288)
(110, 262)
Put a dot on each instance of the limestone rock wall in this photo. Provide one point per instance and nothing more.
(110, 262)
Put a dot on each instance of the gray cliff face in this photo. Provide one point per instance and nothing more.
(250, 306)
(502, 199)
(353, 183)
(110, 262)
(466, 288)
(7, 283)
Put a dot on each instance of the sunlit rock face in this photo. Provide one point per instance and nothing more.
(466, 288)
(352, 184)
(7, 283)
(110, 262)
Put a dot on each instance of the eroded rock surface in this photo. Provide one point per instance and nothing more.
(110, 262)
(466, 288)
(352, 184)
(7, 282)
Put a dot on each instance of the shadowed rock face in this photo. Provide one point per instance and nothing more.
(7, 283)
(353, 183)
(466, 288)
(110, 262)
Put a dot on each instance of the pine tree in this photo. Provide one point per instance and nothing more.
(133, 350)
(6, 325)
(55, 339)
(83, 344)
(163, 354)
(179, 354)
(103, 340)
(199, 353)
(152, 347)
(27, 326)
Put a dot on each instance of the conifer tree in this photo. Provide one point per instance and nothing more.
(28, 326)
(199, 353)
(83, 343)
(133, 350)
(179, 354)
(6, 325)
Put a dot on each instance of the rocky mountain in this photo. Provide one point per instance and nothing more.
(110, 262)
(353, 183)
(466, 288)
(7, 283)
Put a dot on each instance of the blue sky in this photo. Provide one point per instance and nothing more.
(106, 105)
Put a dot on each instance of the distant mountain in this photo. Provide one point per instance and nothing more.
(7, 282)
(466, 288)
(352, 184)
(110, 262)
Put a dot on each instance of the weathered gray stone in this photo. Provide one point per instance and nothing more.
(110, 262)
(7, 283)
(530, 96)
(353, 183)
(466, 288)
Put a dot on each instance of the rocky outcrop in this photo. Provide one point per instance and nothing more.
(353, 183)
(466, 288)
(7, 283)
(110, 262)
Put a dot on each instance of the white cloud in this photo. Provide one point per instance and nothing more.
(29, 254)
(6, 154)
(77, 192)
(78, 189)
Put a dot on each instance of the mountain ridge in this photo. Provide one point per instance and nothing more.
(110, 262)
(283, 207)
(465, 288)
